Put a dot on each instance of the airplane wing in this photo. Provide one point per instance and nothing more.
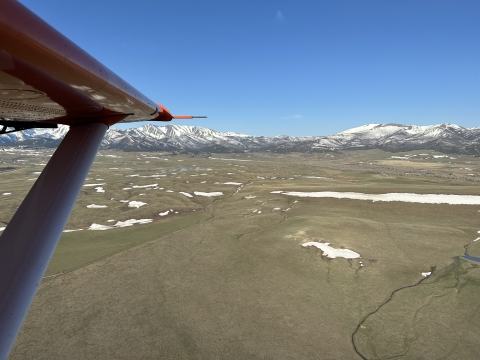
(44, 77)
(45, 80)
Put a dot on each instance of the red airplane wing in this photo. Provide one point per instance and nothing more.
(45, 77)
(45, 80)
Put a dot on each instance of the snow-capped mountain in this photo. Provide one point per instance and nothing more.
(394, 137)
(21, 136)
(397, 137)
(190, 138)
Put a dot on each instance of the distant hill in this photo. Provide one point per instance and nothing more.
(392, 137)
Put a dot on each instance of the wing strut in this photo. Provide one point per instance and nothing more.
(29, 240)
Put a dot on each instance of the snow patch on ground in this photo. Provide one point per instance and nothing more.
(425, 274)
(7, 193)
(93, 206)
(250, 197)
(276, 192)
(185, 193)
(232, 183)
(164, 213)
(331, 252)
(132, 222)
(143, 186)
(214, 158)
(136, 204)
(99, 227)
(119, 224)
(100, 189)
(213, 193)
(94, 184)
(403, 197)
(72, 230)
(145, 176)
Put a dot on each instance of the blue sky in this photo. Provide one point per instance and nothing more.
(299, 68)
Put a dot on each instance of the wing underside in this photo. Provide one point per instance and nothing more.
(44, 77)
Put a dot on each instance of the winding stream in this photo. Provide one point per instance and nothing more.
(471, 258)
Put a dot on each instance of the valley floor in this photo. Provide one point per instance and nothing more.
(201, 257)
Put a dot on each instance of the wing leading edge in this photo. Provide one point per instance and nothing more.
(47, 78)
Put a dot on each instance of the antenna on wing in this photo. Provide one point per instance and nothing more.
(180, 117)
(165, 115)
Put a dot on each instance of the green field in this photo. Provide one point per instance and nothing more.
(226, 277)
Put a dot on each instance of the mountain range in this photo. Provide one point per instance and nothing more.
(391, 137)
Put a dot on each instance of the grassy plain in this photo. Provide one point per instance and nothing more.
(226, 277)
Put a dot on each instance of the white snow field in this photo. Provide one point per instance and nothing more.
(99, 227)
(145, 176)
(213, 193)
(331, 252)
(119, 224)
(136, 204)
(93, 206)
(143, 186)
(132, 222)
(403, 197)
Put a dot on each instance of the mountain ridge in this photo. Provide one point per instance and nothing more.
(390, 137)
